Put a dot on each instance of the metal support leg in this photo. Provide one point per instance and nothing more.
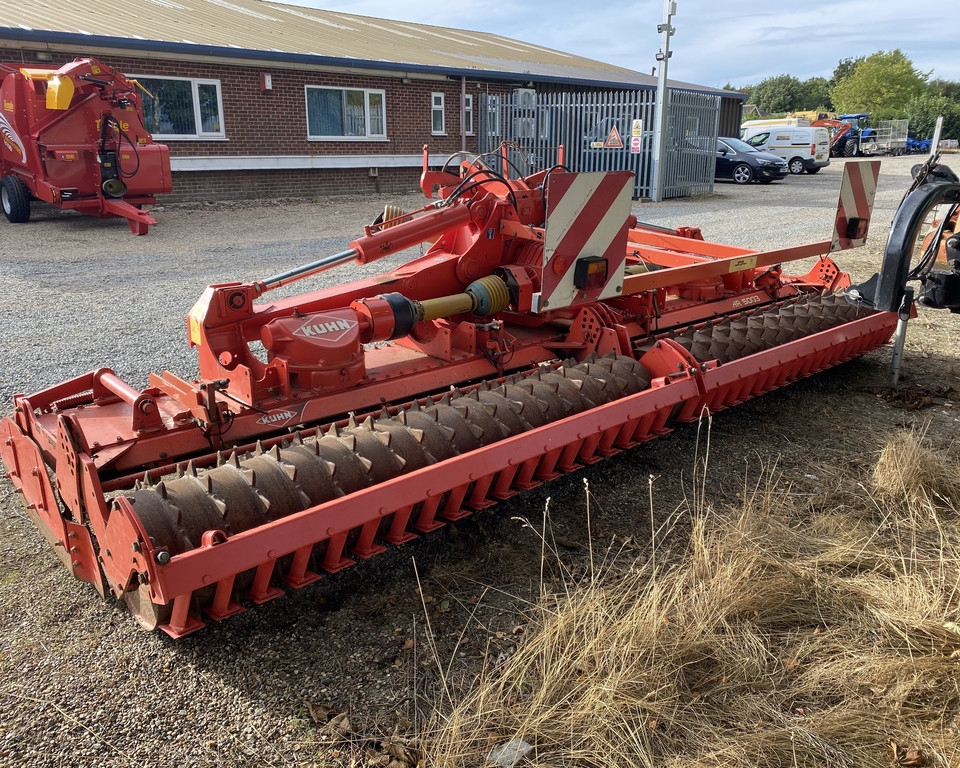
(900, 336)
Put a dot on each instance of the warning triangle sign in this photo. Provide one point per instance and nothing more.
(613, 139)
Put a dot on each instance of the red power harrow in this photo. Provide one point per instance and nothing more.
(542, 330)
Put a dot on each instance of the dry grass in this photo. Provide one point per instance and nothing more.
(909, 472)
(787, 635)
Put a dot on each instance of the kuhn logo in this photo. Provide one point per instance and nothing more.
(280, 417)
(325, 327)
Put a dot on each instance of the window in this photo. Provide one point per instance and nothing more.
(468, 114)
(543, 124)
(182, 107)
(436, 112)
(340, 113)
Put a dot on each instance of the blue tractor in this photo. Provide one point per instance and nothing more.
(848, 145)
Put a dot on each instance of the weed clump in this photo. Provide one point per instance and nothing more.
(786, 635)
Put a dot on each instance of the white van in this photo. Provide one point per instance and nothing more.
(767, 122)
(804, 148)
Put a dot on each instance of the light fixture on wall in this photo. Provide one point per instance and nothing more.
(405, 80)
(266, 82)
(43, 56)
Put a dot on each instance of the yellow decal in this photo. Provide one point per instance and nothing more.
(195, 334)
(10, 137)
(95, 69)
(744, 262)
(8, 105)
(123, 126)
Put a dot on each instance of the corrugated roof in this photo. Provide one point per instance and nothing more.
(275, 31)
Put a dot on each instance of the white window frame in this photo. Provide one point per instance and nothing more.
(468, 114)
(367, 92)
(437, 105)
(195, 83)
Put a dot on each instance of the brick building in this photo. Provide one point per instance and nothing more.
(259, 99)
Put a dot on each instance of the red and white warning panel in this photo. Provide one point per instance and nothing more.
(585, 237)
(857, 192)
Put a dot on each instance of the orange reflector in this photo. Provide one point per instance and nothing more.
(590, 272)
(857, 228)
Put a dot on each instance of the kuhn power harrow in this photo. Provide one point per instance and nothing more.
(542, 330)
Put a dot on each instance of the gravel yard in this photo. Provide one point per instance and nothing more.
(82, 685)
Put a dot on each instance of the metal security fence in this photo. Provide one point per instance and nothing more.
(604, 131)
(690, 145)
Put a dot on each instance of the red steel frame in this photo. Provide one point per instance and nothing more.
(100, 433)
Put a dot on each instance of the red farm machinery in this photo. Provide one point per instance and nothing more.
(543, 329)
(74, 137)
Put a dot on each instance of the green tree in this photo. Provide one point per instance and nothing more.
(783, 93)
(844, 69)
(948, 88)
(922, 112)
(881, 84)
(816, 94)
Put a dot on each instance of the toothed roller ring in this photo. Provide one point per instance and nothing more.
(244, 492)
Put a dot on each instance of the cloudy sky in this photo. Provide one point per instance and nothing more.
(715, 43)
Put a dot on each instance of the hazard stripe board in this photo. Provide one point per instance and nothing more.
(587, 216)
(857, 192)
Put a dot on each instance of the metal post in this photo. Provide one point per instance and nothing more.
(666, 31)
(935, 141)
(900, 336)
(463, 113)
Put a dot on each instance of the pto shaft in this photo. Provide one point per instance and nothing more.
(393, 315)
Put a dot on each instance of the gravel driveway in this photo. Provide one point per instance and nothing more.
(81, 685)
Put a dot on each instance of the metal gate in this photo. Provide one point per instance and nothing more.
(690, 145)
(604, 131)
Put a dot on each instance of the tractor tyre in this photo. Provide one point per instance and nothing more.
(850, 149)
(15, 199)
